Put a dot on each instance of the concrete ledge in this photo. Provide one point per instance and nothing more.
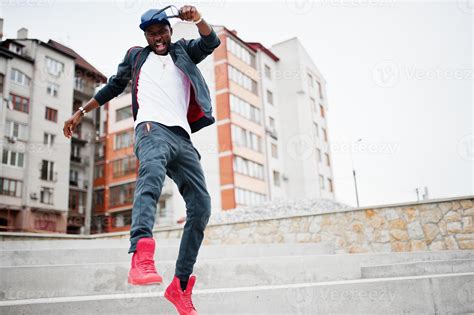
(415, 295)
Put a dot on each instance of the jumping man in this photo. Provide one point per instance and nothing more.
(170, 100)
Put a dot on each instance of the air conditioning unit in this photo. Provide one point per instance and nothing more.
(34, 196)
(12, 139)
(86, 184)
(284, 177)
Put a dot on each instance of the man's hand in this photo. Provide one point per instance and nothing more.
(189, 13)
(71, 123)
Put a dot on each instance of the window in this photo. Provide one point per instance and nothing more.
(12, 158)
(73, 177)
(20, 103)
(269, 97)
(48, 139)
(242, 79)
(46, 195)
(20, 78)
(325, 135)
(268, 72)
(76, 200)
(54, 67)
(51, 114)
(321, 109)
(98, 171)
(246, 138)
(240, 52)
(10, 187)
(249, 168)
(271, 122)
(316, 129)
(320, 89)
(124, 166)
(1, 82)
(328, 161)
(98, 198)
(330, 185)
(274, 150)
(162, 208)
(313, 105)
(121, 194)
(122, 219)
(99, 151)
(79, 83)
(321, 182)
(123, 113)
(310, 80)
(123, 139)
(16, 129)
(244, 109)
(247, 197)
(47, 170)
(52, 89)
(76, 153)
(318, 154)
(17, 49)
(276, 178)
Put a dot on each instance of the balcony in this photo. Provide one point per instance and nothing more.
(76, 159)
(272, 132)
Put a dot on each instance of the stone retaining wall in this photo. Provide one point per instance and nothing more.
(437, 225)
(430, 225)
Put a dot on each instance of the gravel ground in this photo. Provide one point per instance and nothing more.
(277, 208)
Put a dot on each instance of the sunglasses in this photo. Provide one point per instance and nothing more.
(171, 11)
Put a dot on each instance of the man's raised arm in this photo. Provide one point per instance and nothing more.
(198, 49)
(115, 85)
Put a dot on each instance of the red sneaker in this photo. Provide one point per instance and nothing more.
(181, 300)
(143, 271)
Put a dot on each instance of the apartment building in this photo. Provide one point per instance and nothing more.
(86, 79)
(303, 116)
(37, 95)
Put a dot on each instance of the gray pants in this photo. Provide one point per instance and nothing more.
(163, 152)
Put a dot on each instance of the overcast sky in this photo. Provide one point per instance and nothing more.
(399, 76)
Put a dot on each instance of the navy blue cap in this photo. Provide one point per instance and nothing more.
(150, 17)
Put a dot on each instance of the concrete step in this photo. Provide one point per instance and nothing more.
(76, 243)
(108, 278)
(163, 252)
(417, 268)
(440, 294)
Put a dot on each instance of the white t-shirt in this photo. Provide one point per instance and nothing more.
(163, 92)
